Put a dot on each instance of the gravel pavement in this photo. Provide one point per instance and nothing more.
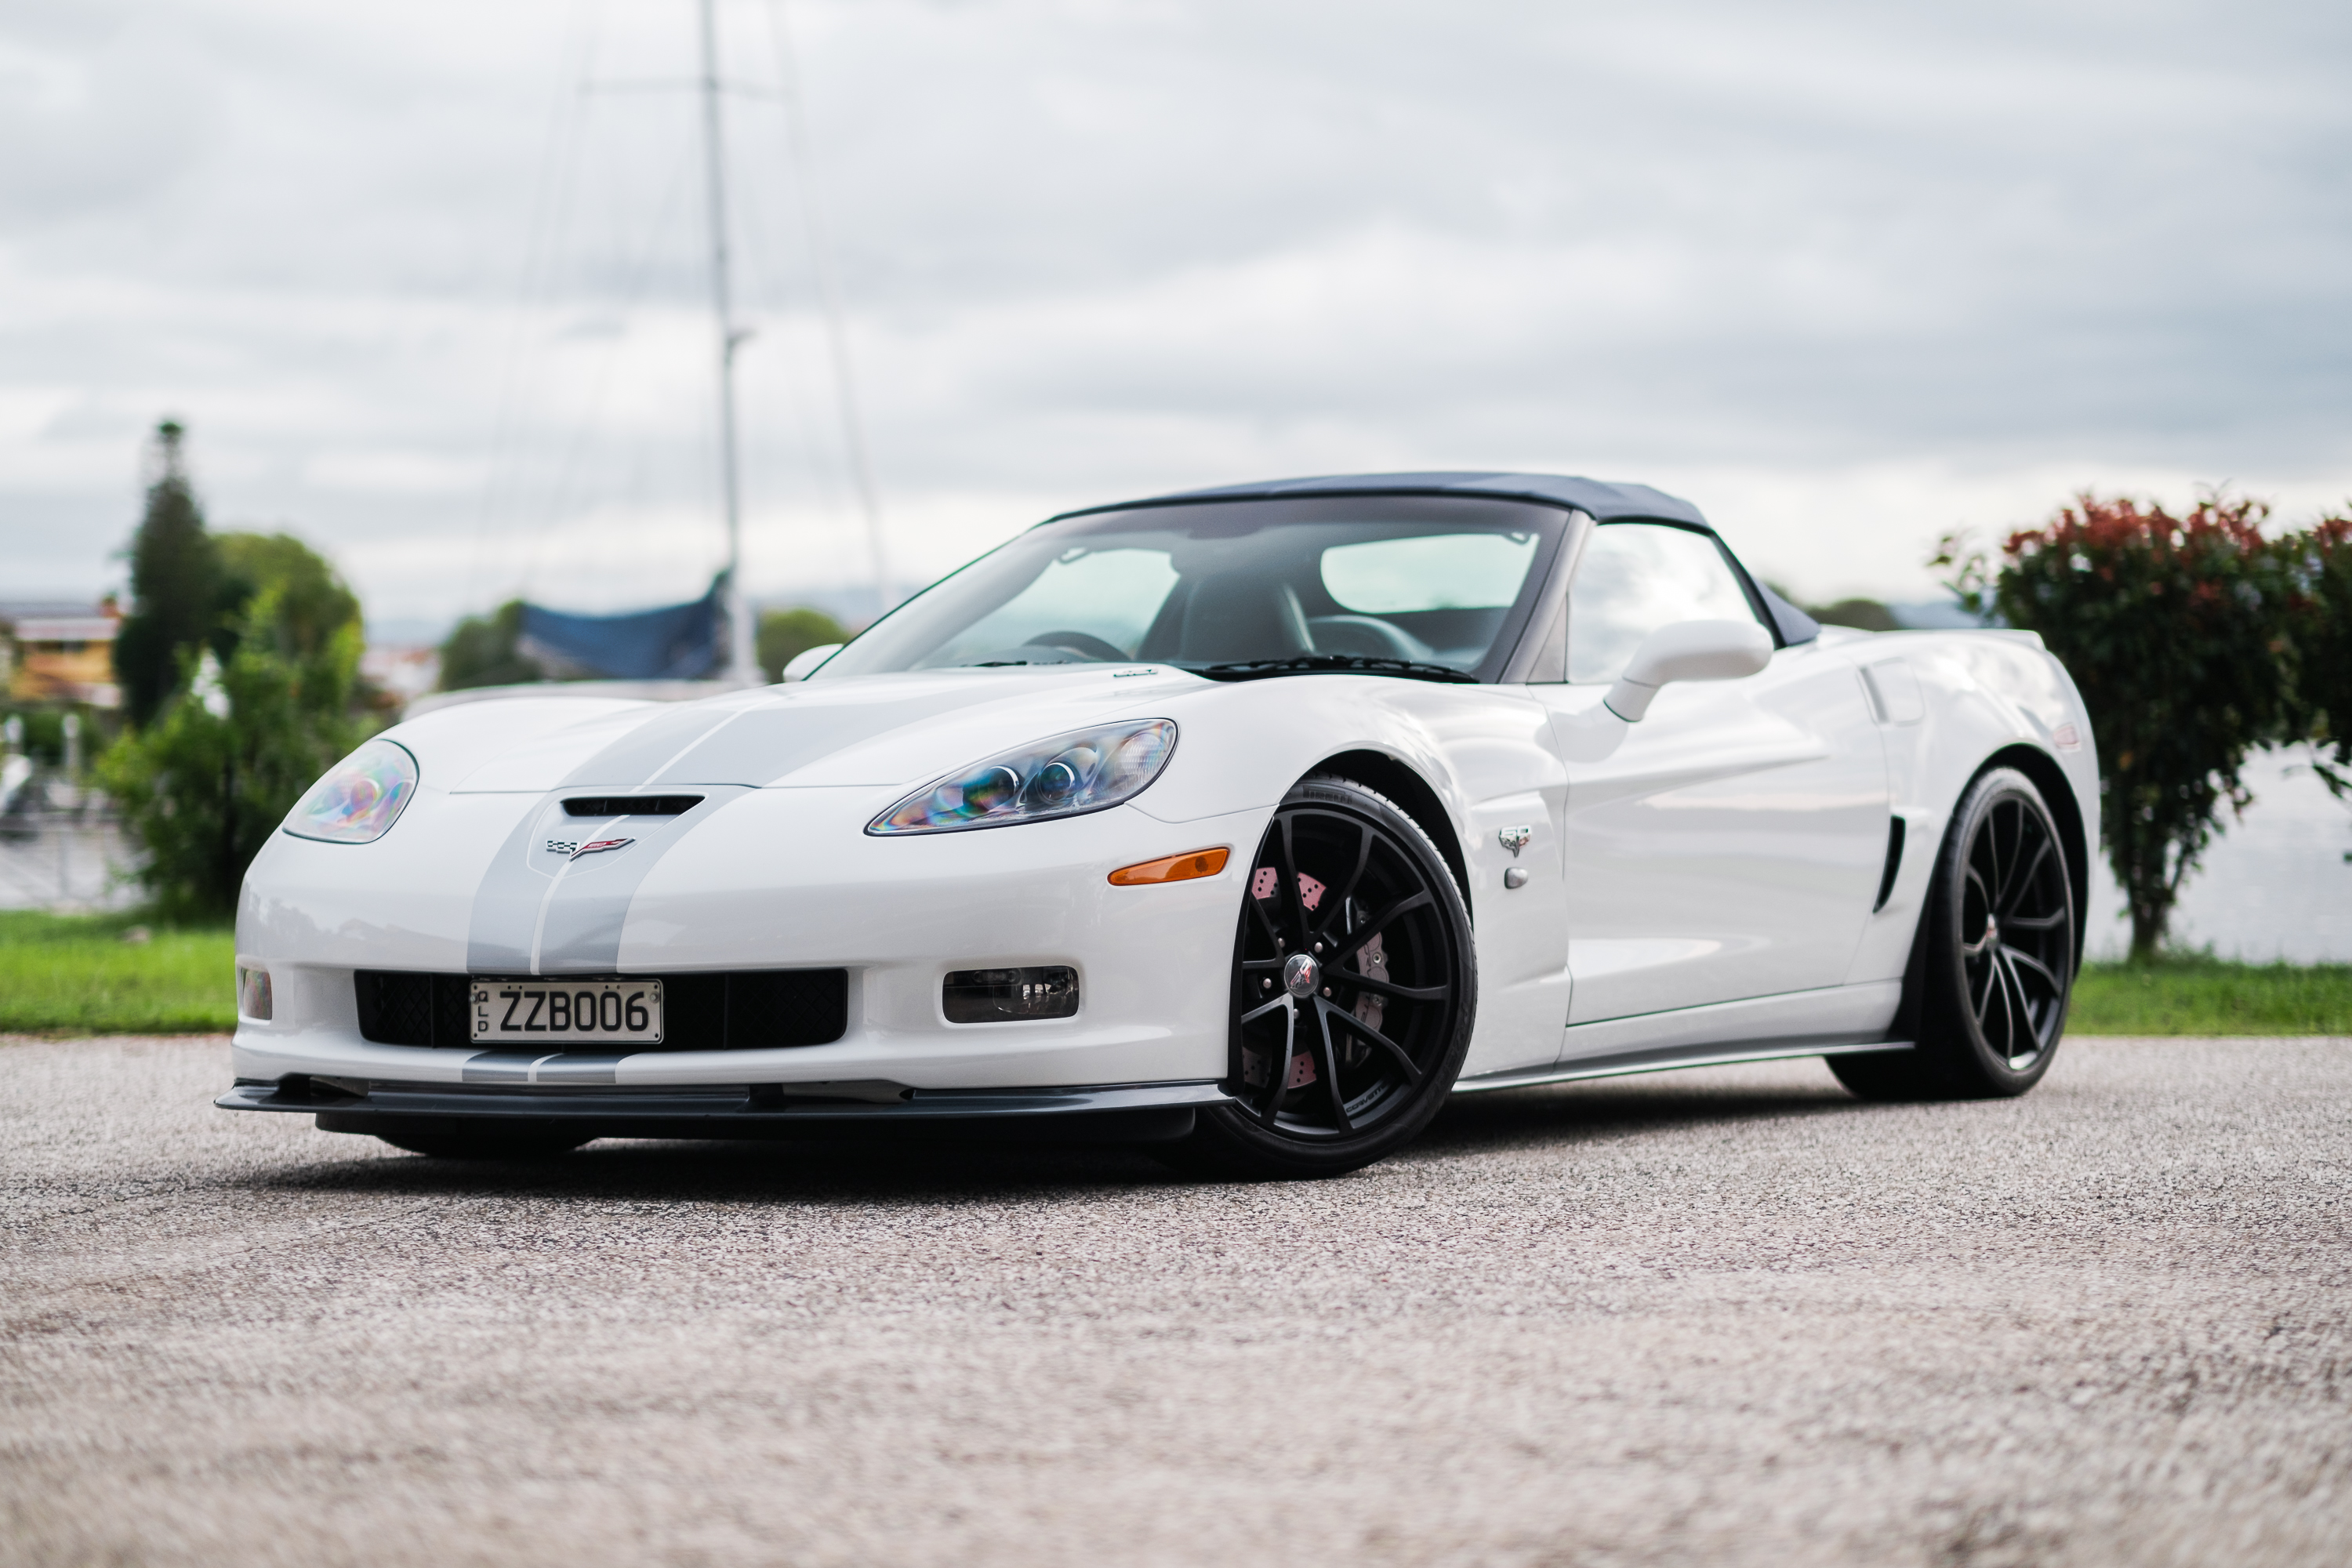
(1728, 1316)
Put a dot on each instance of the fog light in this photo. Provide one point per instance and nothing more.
(1004, 995)
(253, 998)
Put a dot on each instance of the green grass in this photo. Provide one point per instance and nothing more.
(2190, 995)
(75, 975)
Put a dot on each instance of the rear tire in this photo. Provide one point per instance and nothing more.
(1994, 968)
(1354, 986)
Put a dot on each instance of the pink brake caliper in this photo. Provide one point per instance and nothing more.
(1264, 884)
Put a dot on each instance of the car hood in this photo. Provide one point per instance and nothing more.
(901, 730)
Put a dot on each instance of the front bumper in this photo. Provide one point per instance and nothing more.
(791, 883)
(1152, 1112)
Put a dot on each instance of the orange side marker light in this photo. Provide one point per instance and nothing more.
(1181, 867)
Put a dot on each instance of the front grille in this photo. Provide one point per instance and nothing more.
(736, 1010)
(401, 1010)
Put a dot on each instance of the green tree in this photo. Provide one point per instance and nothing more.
(481, 651)
(1868, 614)
(176, 584)
(45, 734)
(2322, 559)
(313, 605)
(202, 786)
(2175, 630)
(784, 634)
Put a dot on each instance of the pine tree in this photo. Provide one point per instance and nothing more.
(175, 584)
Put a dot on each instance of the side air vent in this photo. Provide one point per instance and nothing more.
(739, 1010)
(631, 804)
(1893, 864)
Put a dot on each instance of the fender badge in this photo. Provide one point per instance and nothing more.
(1513, 839)
(601, 845)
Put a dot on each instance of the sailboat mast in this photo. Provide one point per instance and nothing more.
(742, 667)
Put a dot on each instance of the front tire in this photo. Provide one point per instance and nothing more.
(1354, 986)
(1995, 966)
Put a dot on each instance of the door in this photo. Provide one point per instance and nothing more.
(1729, 845)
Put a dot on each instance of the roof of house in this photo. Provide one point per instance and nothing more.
(58, 620)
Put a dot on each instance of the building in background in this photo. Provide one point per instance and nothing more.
(59, 848)
(60, 652)
(402, 671)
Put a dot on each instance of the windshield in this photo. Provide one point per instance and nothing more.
(1399, 584)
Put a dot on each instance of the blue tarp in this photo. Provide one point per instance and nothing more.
(676, 642)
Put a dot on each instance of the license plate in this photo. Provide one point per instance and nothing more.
(567, 1012)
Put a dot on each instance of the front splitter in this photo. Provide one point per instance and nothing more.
(1150, 1112)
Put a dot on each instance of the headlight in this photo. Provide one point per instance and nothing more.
(359, 799)
(1084, 771)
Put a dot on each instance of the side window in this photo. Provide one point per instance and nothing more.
(1637, 577)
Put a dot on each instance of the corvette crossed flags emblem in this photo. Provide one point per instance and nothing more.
(573, 851)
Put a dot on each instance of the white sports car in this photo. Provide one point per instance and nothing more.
(1251, 823)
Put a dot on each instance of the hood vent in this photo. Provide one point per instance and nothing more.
(631, 804)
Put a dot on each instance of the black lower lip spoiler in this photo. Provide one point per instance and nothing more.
(1152, 1112)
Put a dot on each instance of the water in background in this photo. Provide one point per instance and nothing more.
(2276, 885)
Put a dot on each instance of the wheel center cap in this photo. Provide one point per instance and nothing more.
(1301, 974)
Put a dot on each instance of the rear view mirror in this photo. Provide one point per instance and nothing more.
(1688, 650)
(804, 663)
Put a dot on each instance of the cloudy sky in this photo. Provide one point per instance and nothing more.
(428, 283)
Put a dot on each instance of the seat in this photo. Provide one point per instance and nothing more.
(1232, 618)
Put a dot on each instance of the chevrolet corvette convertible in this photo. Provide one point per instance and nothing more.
(1247, 824)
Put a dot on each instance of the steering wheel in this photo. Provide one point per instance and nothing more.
(1081, 643)
(1367, 635)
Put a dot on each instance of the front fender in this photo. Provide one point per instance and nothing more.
(1984, 693)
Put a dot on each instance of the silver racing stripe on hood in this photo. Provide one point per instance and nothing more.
(539, 911)
(755, 744)
(535, 912)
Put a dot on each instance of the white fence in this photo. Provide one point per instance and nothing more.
(64, 860)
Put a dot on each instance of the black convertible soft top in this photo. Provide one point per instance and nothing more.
(1604, 501)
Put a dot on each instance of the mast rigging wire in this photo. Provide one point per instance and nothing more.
(796, 149)
(549, 210)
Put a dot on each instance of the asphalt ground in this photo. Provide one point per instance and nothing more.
(1728, 1316)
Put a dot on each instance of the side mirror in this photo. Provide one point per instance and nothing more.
(804, 663)
(1688, 650)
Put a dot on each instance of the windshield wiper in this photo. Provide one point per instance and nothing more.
(1328, 664)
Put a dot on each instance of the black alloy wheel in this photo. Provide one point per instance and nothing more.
(1994, 964)
(1354, 986)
